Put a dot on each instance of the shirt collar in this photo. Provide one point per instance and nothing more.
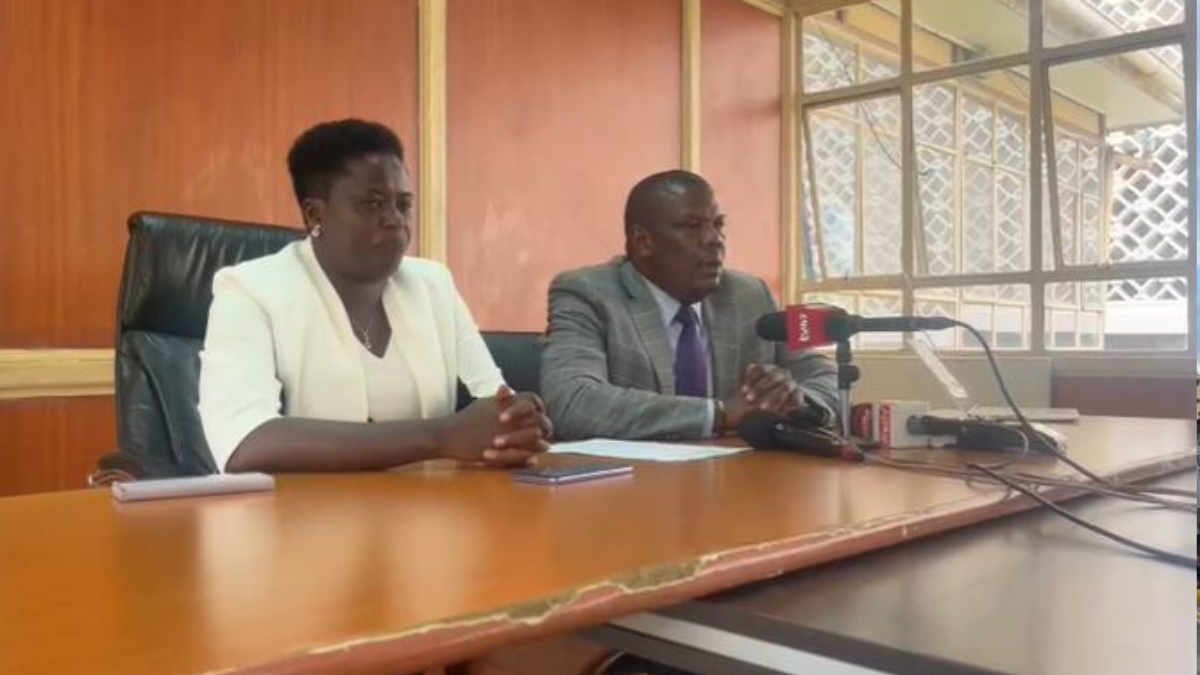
(668, 305)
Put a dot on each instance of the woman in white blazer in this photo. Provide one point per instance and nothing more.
(338, 353)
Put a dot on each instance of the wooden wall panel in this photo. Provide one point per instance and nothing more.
(53, 443)
(555, 110)
(740, 122)
(190, 105)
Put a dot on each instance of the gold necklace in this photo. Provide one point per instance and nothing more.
(363, 334)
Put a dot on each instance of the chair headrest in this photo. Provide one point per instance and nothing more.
(170, 262)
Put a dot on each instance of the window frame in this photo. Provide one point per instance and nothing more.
(1038, 60)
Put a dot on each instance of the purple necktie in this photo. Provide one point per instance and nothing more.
(691, 371)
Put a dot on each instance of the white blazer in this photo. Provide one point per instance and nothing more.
(279, 343)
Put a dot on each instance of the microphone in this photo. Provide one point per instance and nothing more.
(976, 434)
(805, 326)
(768, 431)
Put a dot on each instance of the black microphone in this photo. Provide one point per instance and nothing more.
(769, 431)
(805, 326)
(975, 434)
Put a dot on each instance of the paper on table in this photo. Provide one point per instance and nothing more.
(195, 486)
(644, 450)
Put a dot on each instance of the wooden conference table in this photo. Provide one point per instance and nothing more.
(1032, 594)
(392, 573)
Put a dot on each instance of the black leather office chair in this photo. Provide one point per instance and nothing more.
(162, 313)
(518, 354)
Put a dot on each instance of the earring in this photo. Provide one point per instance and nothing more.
(316, 231)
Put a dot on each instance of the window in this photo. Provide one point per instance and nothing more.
(1048, 198)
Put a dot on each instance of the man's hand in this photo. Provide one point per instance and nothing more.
(769, 387)
(764, 387)
(504, 431)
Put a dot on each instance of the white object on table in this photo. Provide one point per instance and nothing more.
(644, 450)
(194, 486)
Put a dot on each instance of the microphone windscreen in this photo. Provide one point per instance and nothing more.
(772, 327)
(758, 429)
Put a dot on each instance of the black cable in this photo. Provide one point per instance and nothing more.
(1154, 552)
(1013, 484)
(1150, 493)
(1059, 454)
(1012, 404)
(961, 471)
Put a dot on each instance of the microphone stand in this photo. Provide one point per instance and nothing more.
(847, 375)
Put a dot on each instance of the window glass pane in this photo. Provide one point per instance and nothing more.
(857, 221)
(1010, 326)
(1092, 295)
(851, 45)
(882, 194)
(972, 146)
(1061, 327)
(808, 237)
(1121, 164)
(976, 120)
(979, 316)
(1000, 313)
(1070, 21)
(937, 212)
(1011, 139)
(1068, 225)
(1012, 229)
(1068, 161)
(1061, 295)
(934, 106)
(1148, 210)
(950, 32)
(1089, 330)
(835, 155)
(1129, 314)
(829, 62)
(978, 189)
(1089, 168)
(1091, 232)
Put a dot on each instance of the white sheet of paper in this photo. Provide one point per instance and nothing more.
(645, 451)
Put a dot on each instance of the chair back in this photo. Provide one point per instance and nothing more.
(162, 314)
(518, 355)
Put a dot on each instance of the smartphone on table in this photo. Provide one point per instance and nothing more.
(562, 475)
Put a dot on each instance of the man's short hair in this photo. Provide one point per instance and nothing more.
(649, 189)
(321, 153)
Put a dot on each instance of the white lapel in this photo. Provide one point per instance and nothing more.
(411, 314)
(335, 382)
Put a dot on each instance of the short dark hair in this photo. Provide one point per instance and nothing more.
(648, 189)
(321, 153)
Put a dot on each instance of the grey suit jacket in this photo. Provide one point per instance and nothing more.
(608, 369)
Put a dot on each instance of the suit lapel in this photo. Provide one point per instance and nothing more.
(408, 309)
(723, 321)
(342, 385)
(647, 320)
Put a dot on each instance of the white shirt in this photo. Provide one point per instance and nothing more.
(391, 389)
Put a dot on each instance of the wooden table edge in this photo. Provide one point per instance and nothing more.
(457, 639)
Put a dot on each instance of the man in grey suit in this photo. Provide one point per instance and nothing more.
(660, 343)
